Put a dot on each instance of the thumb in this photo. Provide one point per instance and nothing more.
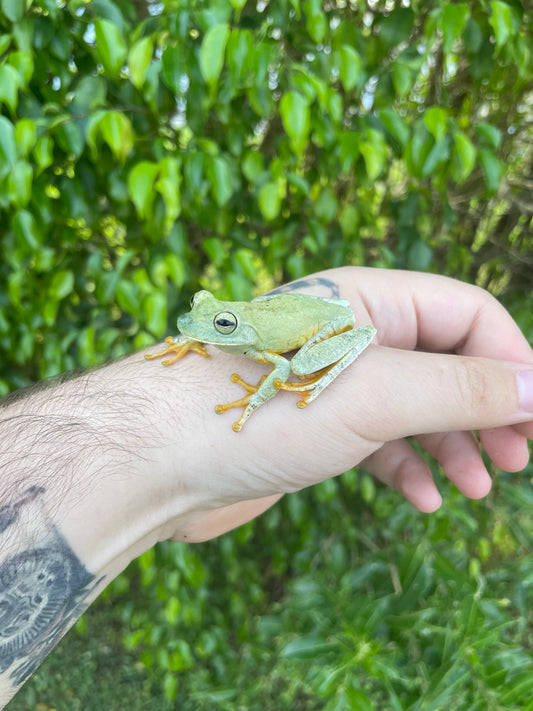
(402, 393)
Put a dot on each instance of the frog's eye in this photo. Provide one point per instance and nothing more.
(192, 300)
(225, 322)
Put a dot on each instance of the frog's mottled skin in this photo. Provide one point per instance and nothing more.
(320, 330)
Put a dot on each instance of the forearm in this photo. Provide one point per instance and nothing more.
(95, 470)
(81, 496)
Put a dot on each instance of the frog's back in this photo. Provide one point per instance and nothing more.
(284, 322)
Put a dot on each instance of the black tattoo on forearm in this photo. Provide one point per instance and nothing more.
(43, 590)
(330, 288)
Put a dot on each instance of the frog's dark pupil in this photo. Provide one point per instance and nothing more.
(224, 322)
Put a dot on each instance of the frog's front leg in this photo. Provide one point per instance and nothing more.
(325, 356)
(263, 391)
(180, 346)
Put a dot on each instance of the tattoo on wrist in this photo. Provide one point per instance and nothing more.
(44, 588)
(318, 285)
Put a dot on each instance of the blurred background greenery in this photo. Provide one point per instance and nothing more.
(151, 148)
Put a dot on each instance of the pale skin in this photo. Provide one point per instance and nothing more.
(99, 468)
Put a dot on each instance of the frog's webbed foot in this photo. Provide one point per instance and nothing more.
(305, 385)
(180, 347)
(241, 402)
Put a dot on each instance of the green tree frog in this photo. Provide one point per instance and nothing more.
(320, 330)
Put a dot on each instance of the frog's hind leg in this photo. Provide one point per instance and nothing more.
(358, 339)
(180, 347)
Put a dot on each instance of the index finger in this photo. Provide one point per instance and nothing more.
(429, 312)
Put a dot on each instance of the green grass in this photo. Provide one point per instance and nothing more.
(343, 597)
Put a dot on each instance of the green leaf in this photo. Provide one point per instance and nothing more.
(490, 135)
(374, 151)
(19, 183)
(25, 136)
(155, 312)
(139, 58)
(436, 120)
(170, 683)
(43, 152)
(127, 295)
(170, 170)
(492, 169)
(307, 648)
(212, 52)
(170, 192)
(175, 269)
(326, 205)
(270, 200)
(85, 346)
(238, 287)
(8, 146)
(298, 182)
(334, 105)
(26, 229)
(5, 41)
(463, 157)
(402, 77)
(395, 125)
(92, 130)
(194, 171)
(239, 51)
(438, 154)
(141, 180)
(22, 63)
(108, 10)
(418, 149)
(62, 284)
(295, 116)
(238, 4)
(453, 21)
(316, 21)
(90, 94)
(221, 180)
(69, 136)
(117, 132)
(252, 165)
(503, 22)
(349, 149)
(317, 25)
(13, 9)
(247, 260)
(111, 47)
(172, 65)
(351, 70)
(396, 26)
(215, 249)
(349, 220)
(9, 86)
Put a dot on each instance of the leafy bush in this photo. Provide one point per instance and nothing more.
(147, 148)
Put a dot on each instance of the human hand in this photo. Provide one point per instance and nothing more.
(436, 374)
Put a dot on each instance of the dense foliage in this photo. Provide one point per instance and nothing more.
(147, 148)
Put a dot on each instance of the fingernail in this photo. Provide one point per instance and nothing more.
(525, 390)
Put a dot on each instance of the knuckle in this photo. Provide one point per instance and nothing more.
(473, 383)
